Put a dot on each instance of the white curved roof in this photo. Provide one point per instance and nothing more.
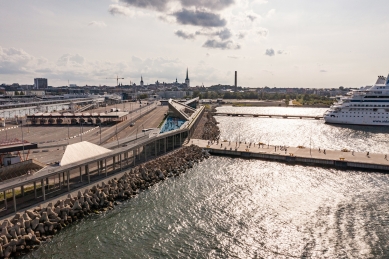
(81, 151)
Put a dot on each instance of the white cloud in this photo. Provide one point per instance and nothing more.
(14, 61)
(270, 13)
(116, 9)
(70, 60)
(259, 2)
(263, 32)
(100, 24)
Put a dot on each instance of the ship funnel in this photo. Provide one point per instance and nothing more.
(387, 80)
(380, 80)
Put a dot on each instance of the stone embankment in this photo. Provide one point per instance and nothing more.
(211, 130)
(25, 231)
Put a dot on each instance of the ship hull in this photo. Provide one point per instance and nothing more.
(366, 122)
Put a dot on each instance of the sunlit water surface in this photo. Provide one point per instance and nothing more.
(236, 208)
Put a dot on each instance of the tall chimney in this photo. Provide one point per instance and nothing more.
(236, 81)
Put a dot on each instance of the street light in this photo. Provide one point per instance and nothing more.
(22, 141)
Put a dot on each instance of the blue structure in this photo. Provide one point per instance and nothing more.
(171, 123)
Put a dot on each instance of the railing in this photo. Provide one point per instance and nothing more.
(55, 171)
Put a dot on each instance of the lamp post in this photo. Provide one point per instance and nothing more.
(22, 140)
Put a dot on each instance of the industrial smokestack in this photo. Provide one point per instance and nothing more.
(236, 81)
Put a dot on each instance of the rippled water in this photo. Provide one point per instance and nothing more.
(304, 132)
(236, 208)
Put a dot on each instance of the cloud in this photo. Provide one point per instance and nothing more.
(223, 34)
(14, 61)
(100, 24)
(184, 35)
(270, 13)
(281, 52)
(163, 5)
(263, 32)
(71, 60)
(323, 71)
(252, 17)
(209, 4)
(116, 9)
(259, 2)
(241, 35)
(270, 52)
(159, 5)
(214, 44)
(199, 18)
(233, 57)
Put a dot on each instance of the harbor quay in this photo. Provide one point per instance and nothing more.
(31, 190)
(265, 115)
(345, 159)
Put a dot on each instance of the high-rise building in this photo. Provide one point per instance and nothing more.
(187, 81)
(40, 83)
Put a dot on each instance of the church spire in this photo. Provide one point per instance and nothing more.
(187, 81)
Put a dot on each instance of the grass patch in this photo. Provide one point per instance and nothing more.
(18, 192)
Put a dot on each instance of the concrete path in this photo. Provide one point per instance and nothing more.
(358, 157)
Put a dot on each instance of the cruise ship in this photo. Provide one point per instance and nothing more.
(367, 106)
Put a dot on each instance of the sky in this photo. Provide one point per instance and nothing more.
(274, 43)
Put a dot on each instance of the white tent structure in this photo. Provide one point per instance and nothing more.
(80, 151)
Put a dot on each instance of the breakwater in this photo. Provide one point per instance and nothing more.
(25, 231)
(207, 128)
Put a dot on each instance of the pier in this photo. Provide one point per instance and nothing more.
(299, 155)
(285, 116)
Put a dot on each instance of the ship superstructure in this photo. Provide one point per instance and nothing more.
(368, 105)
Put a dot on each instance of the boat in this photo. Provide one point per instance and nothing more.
(368, 105)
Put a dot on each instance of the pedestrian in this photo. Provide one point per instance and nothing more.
(319, 150)
(386, 157)
(275, 148)
(221, 145)
(324, 151)
(367, 153)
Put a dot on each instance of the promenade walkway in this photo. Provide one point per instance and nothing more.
(302, 155)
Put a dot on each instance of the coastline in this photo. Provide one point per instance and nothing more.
(25, 231)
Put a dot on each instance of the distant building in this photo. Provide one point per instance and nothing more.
(141, 81)
(40, 83)
(174, 94)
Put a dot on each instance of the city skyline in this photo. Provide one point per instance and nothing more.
(270, 43)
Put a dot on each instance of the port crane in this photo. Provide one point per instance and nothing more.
(117, 80)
